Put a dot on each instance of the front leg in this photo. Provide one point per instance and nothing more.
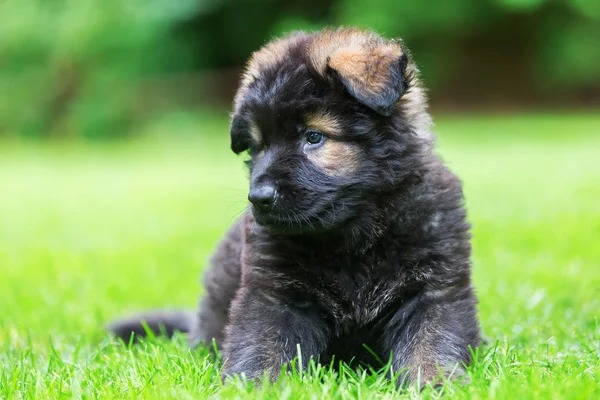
(264, 333)
(432, 335)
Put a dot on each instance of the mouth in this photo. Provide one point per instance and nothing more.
(279, 223)
(290, 222)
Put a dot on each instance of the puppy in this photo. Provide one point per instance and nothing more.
(356, 244)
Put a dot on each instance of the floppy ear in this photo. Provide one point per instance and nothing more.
(373, 75)
(240, 134)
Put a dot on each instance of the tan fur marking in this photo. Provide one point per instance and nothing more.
(255, 134)
(423, 367)
(328, 41)
(350, 49)
(335, 157)
(426, 364)
(413, 104)
(324, 122)
(367, 69)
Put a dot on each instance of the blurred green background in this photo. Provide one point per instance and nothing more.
(104, 68)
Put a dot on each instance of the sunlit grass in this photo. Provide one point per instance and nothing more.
(90, 232)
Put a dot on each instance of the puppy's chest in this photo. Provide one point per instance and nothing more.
(352, 290)
(358, 294)
(362, 299)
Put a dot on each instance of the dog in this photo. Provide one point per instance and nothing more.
(356, 245)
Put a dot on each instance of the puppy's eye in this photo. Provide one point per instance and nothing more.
(314, 137)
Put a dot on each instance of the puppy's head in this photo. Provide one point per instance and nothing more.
(326, 118)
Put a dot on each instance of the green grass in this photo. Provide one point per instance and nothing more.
(92, 232)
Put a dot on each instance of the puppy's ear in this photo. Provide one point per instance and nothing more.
(373, 75)
(240, 134)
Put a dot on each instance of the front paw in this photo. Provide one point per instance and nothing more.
(429, 374)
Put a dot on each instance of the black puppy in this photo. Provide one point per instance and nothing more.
(357, 237)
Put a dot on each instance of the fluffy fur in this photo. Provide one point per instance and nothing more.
(365, 243)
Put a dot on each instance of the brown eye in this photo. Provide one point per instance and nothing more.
(314, 137)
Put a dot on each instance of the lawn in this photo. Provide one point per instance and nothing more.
(91, 232)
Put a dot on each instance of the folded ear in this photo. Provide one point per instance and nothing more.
(240, 134)
(373, 75)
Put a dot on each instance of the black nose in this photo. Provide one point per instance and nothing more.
(262, 196)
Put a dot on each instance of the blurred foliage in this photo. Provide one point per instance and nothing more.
(95, 67)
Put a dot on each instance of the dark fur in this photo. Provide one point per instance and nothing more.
(375, 256)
